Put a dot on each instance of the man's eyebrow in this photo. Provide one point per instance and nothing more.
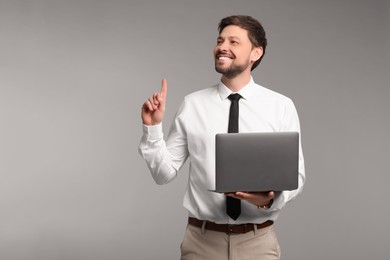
(234, 38)
(230, 37)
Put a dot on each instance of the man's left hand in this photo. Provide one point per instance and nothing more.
(260, 199)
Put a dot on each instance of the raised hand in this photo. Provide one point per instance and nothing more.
(153, 109)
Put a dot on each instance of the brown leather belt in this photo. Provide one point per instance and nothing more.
(226, 228)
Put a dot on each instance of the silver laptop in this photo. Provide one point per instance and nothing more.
(252, 162)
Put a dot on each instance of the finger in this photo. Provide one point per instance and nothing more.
(147, 106)
(254, 195)
(243, 195)
(164, 89)
(151, 101)
(156, 100)
(162, 95)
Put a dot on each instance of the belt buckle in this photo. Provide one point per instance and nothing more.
(230, 229)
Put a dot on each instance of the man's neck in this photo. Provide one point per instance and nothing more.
(236, 83)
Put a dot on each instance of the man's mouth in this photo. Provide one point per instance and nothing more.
(223, 56)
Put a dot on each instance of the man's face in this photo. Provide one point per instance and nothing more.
(234, 52)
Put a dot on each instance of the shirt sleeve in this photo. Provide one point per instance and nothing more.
(291, 123)
(164, 158)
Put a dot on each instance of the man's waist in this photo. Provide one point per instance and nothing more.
(228, 228)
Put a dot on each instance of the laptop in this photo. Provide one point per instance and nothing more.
(251, 162)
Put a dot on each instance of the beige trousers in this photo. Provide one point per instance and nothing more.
(261, 244)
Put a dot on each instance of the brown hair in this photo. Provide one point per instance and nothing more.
(255, 30)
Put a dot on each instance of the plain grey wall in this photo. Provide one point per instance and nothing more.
(73, 77)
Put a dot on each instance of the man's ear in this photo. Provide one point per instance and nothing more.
(257, 52)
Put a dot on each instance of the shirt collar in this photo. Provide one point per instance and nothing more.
(245, 92)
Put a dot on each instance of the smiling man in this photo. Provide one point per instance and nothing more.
(237, 225)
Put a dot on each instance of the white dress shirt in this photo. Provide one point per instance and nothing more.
(192, 135)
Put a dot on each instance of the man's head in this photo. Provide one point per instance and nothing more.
(241, 43)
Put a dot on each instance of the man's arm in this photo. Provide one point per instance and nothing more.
(163, 160)
(291, 123)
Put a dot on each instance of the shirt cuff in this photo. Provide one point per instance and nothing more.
(153, 132)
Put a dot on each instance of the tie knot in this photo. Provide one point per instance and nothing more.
(234, 96)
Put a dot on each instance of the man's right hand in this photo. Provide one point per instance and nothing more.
(153, 109)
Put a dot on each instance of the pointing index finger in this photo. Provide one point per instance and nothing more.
(164, 88)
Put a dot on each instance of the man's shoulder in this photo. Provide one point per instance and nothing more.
(264, 92)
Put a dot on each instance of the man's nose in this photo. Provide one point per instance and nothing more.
(224, 46)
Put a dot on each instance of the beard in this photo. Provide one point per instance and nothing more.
(232, 70)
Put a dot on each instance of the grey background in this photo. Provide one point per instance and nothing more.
(74, 74)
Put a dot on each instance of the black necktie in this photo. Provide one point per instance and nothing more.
(233, 205)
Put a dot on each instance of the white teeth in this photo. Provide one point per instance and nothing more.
(223, 58)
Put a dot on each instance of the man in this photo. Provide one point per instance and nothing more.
(212, 232)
